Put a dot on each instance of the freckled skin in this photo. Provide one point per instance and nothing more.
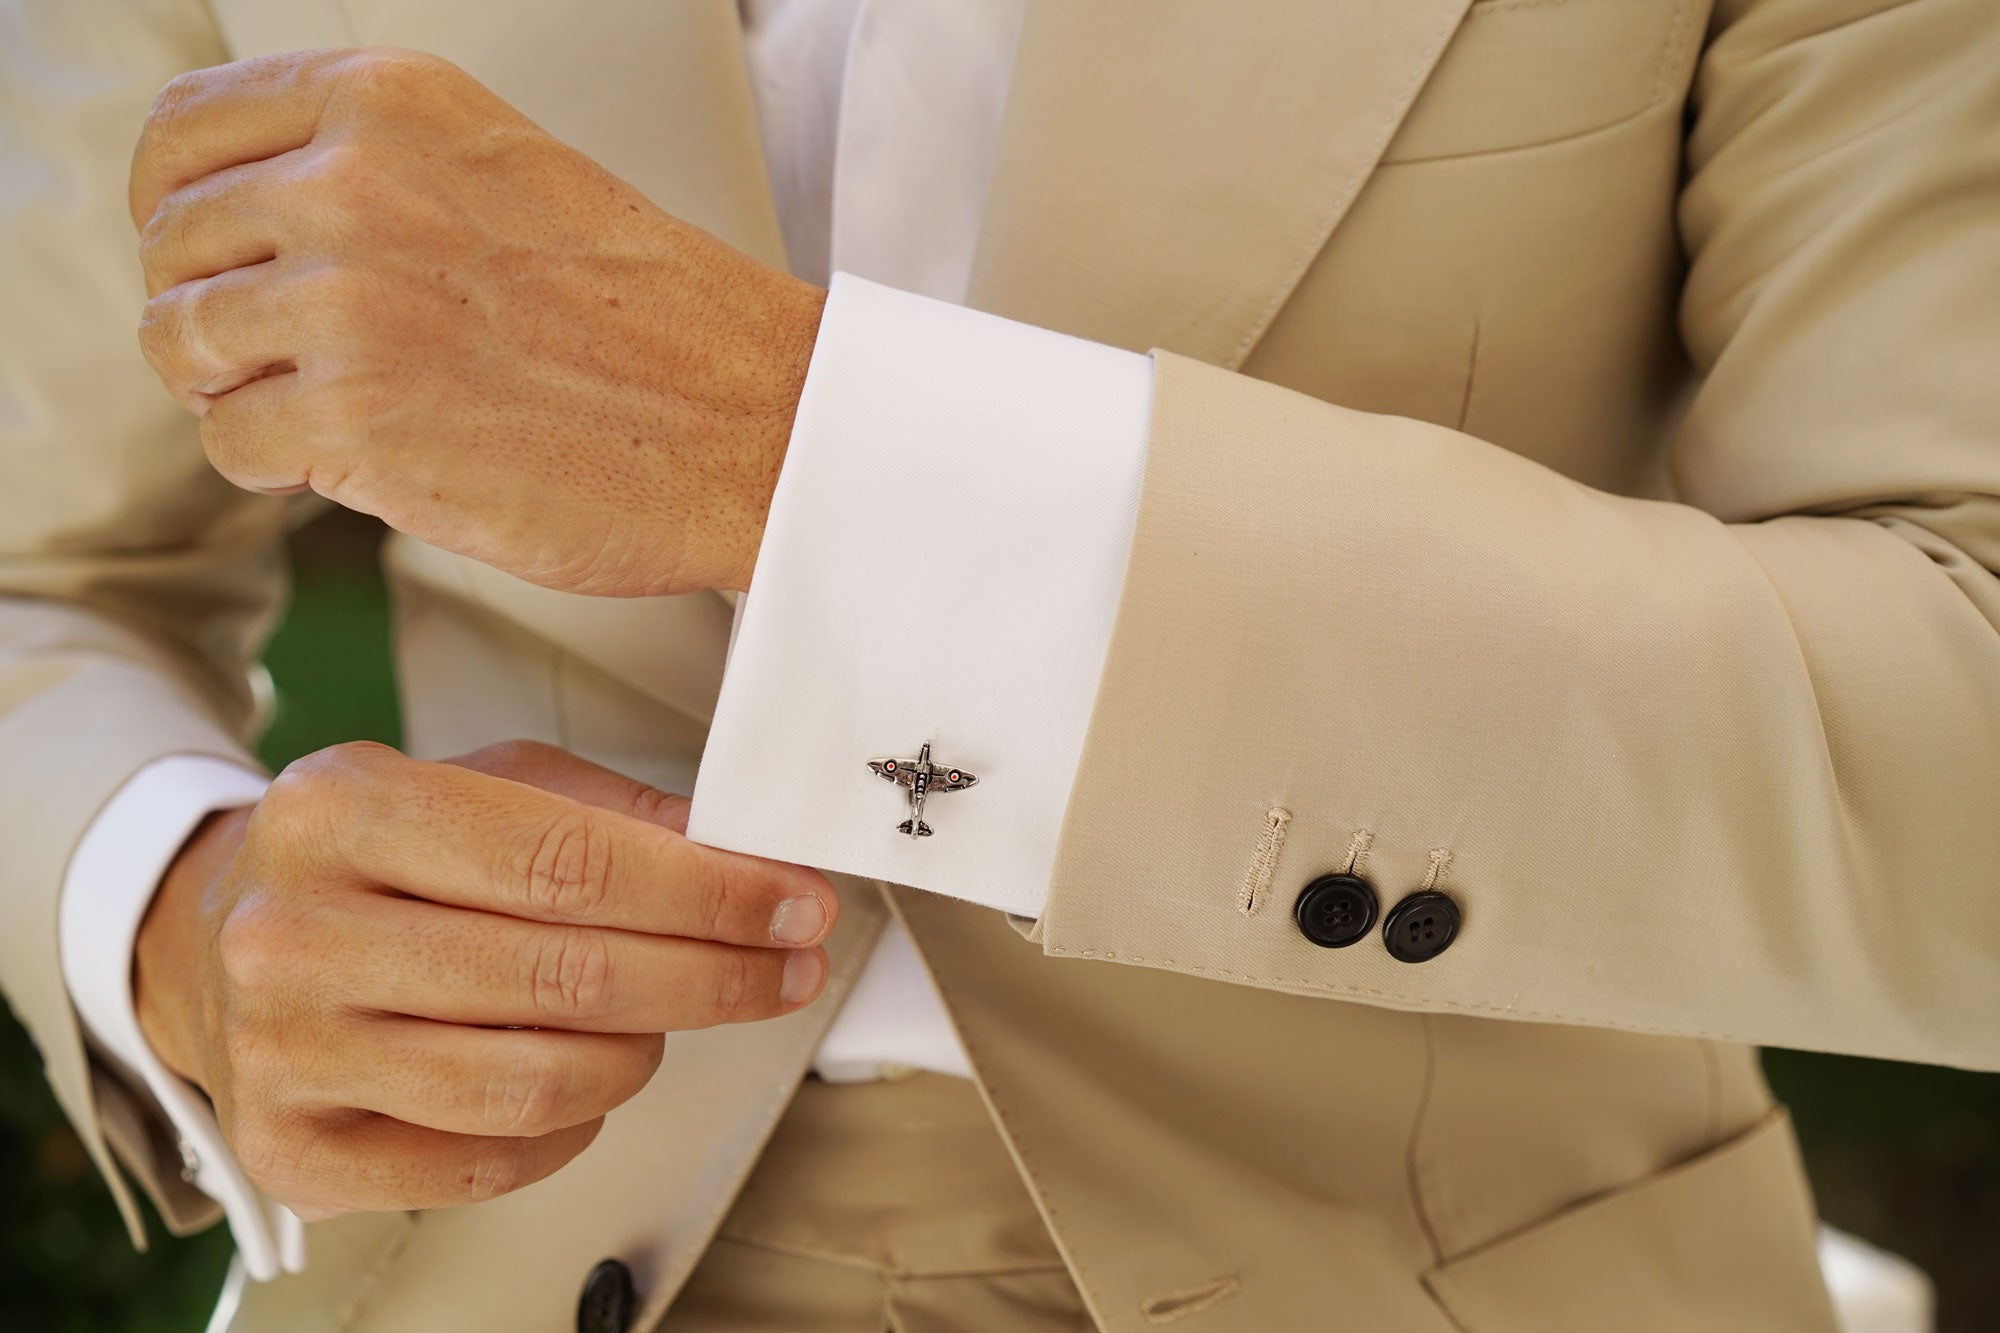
(417, 303)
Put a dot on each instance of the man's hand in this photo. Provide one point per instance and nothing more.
(373, 278)
(409, 985)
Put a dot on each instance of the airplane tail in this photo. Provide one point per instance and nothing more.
(923, 829)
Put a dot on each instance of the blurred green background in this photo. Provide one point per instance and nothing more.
(1902, 1155)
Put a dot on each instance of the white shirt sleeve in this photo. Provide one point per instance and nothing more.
(942, 563)
(117, 866)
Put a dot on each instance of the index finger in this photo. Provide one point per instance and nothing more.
(466, 839)
(224, 116)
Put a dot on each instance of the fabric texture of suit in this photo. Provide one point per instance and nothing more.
(1572, 481)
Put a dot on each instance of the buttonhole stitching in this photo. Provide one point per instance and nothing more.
(1440, 858)
(1357, 851)
(1264, 865)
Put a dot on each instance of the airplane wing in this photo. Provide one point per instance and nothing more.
(894, 770)
(952, 779)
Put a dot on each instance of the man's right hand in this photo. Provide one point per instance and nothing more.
(411, 985)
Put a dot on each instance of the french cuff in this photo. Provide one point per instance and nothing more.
(941, 566)
(113, 873)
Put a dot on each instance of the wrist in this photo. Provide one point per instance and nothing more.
(167, 955)
(793, 330)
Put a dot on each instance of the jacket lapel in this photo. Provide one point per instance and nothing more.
(1168, 168)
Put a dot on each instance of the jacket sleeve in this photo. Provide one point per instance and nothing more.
(135, 585)
(1727, 767)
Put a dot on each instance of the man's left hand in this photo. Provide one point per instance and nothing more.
(372, 277)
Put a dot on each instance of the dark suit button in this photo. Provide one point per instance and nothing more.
(1335, 910)
(1421, 927)
(608, 1301)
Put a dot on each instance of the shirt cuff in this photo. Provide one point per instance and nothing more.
(942, 564)
(113, 873)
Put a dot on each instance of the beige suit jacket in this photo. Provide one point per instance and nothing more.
(1573, 477)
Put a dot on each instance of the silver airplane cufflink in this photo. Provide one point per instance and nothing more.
(920, 778)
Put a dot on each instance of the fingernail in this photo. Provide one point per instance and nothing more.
(799, 920)
(802, 977)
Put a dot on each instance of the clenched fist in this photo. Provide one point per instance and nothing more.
(372, 277)
(409, 985)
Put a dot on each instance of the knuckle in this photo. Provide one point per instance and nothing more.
(267, 824)
(362, 76)
(297, 782)
(170, 239)
(338, 170)
(233, 450)
(256, 948)
(337, 770)
(260, 1153)
(372, 70)
(297, 794)
(715, 906)
(360, 754)
(196, 308)
(169, 104)
(392, 75)
(521, 1099)
(347, 186)
(514, 756)
(744, 988)
(328, 789)
(496, 1168)
(278, 1151)
(165, 222)
(656, 806)
(571, 974)
(377, 84)
(566, 872)
(161, 332)
(711, 889)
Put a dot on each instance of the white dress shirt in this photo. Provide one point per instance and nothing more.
(112, 874)
(945, 550)
(881, 121)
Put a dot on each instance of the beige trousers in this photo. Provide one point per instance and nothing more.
(882, 1206)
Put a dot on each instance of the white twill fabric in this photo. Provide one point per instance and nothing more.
(880, 121)
(930, 438)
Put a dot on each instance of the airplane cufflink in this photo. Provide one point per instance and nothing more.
(921, 778)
